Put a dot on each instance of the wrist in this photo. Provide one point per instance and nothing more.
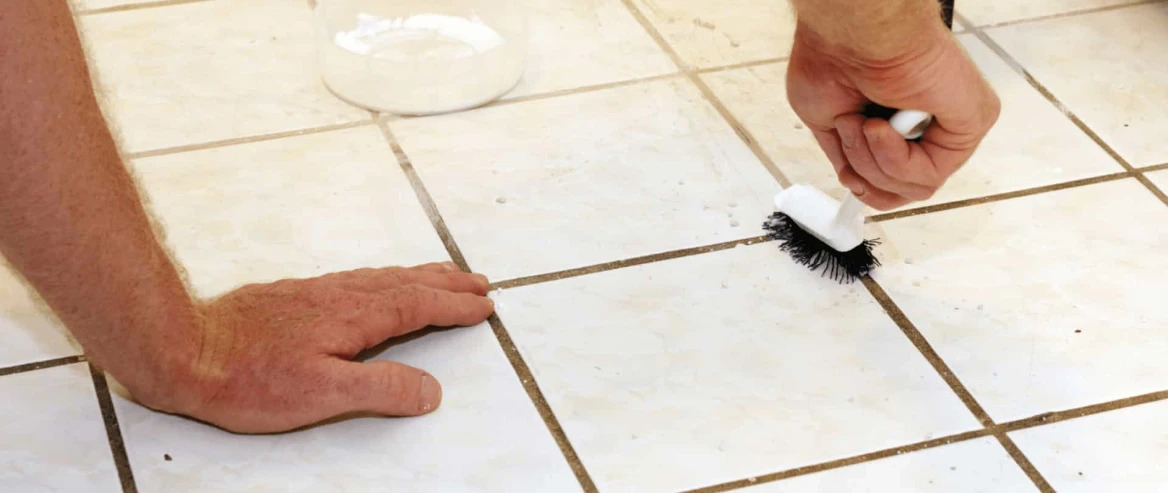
(871, 35)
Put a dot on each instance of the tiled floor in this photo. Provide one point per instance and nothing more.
(646, 339)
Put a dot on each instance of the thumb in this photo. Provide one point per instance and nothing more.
(385, 387)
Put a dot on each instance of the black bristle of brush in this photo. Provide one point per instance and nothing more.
(806, 249)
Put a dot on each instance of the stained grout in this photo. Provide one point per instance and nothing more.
(113, 430)
(1062, 15)
(247, 140)
(709, 95)
(628, 262)
(1153, 168)
(136, 6)
(41, 365)
(1024, 463)
(910, 331)
(958, 204)
(526, 378)
(1035, 421)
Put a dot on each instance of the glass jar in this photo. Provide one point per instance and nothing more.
(419, 57)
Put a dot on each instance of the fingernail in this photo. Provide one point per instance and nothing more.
(481, 278)
(450, 266)
(431, 394)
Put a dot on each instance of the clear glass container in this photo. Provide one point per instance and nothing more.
(420, 57)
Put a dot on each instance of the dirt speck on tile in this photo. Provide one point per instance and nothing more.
(704, 24)
(734, 223)
(501, 200)
(167, 457)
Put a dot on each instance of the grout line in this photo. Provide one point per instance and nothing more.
(740, 65)
(887, 216)
(847, 461)
(1153, 168)
(246, 140)
(1024, 462)
(41, 365)
(424, 198)
(709, 95)
(541, 404)
(620, 264)
(927, 351)
(112, 430)
(526, 378)
(1061, 15)
(581, 89)
(1017, 66)
(135, 6)
(1035, 421)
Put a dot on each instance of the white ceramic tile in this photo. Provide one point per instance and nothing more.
(980, 465)
(52, 437)
(486, 436)
(553, 184)
(583, 43)
(1119, 450)
(1040, 303)
(983, 12)
(28, 329)
(722, 366)
(710, 34)
(295, 207)
(1033, 143)
(1107, 68)
(210, 71)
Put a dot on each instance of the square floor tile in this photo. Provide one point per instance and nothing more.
(1033, 143)
(28, 329)
(980, 465)
(1040, 303)
(575, 44)
(1119, 450)
(553, 184)
(52, 437)
(1107, 68)
(722, 366)
(486, 436)
(295, 207)
(209, 71)
(983, 12)
(711, 34)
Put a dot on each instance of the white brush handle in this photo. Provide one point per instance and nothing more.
(911, 124)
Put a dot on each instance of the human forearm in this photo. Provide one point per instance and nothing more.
(871, 30)
(71, 220)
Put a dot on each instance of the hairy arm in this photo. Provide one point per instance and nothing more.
(71, 220)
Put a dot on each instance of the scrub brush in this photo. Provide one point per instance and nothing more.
(820, 232)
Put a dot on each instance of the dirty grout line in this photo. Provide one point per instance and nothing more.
(709, 95)
(246, 140)
(628, 262)
(526, 378)
(1061, 15)
(1026, 192)
(535, 394)
(1017, 66)
(910, 330)
(136, 6)
(1024, 462)
(740, 65)
(41, 365)
(922, 344)
(112, 430)
(1153, 168)
(1035, 421)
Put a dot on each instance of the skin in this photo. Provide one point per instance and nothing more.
(898, 54)
(263, 358)
(278, 356)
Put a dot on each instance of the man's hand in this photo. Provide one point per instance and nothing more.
(907, 64)
(278, 356)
